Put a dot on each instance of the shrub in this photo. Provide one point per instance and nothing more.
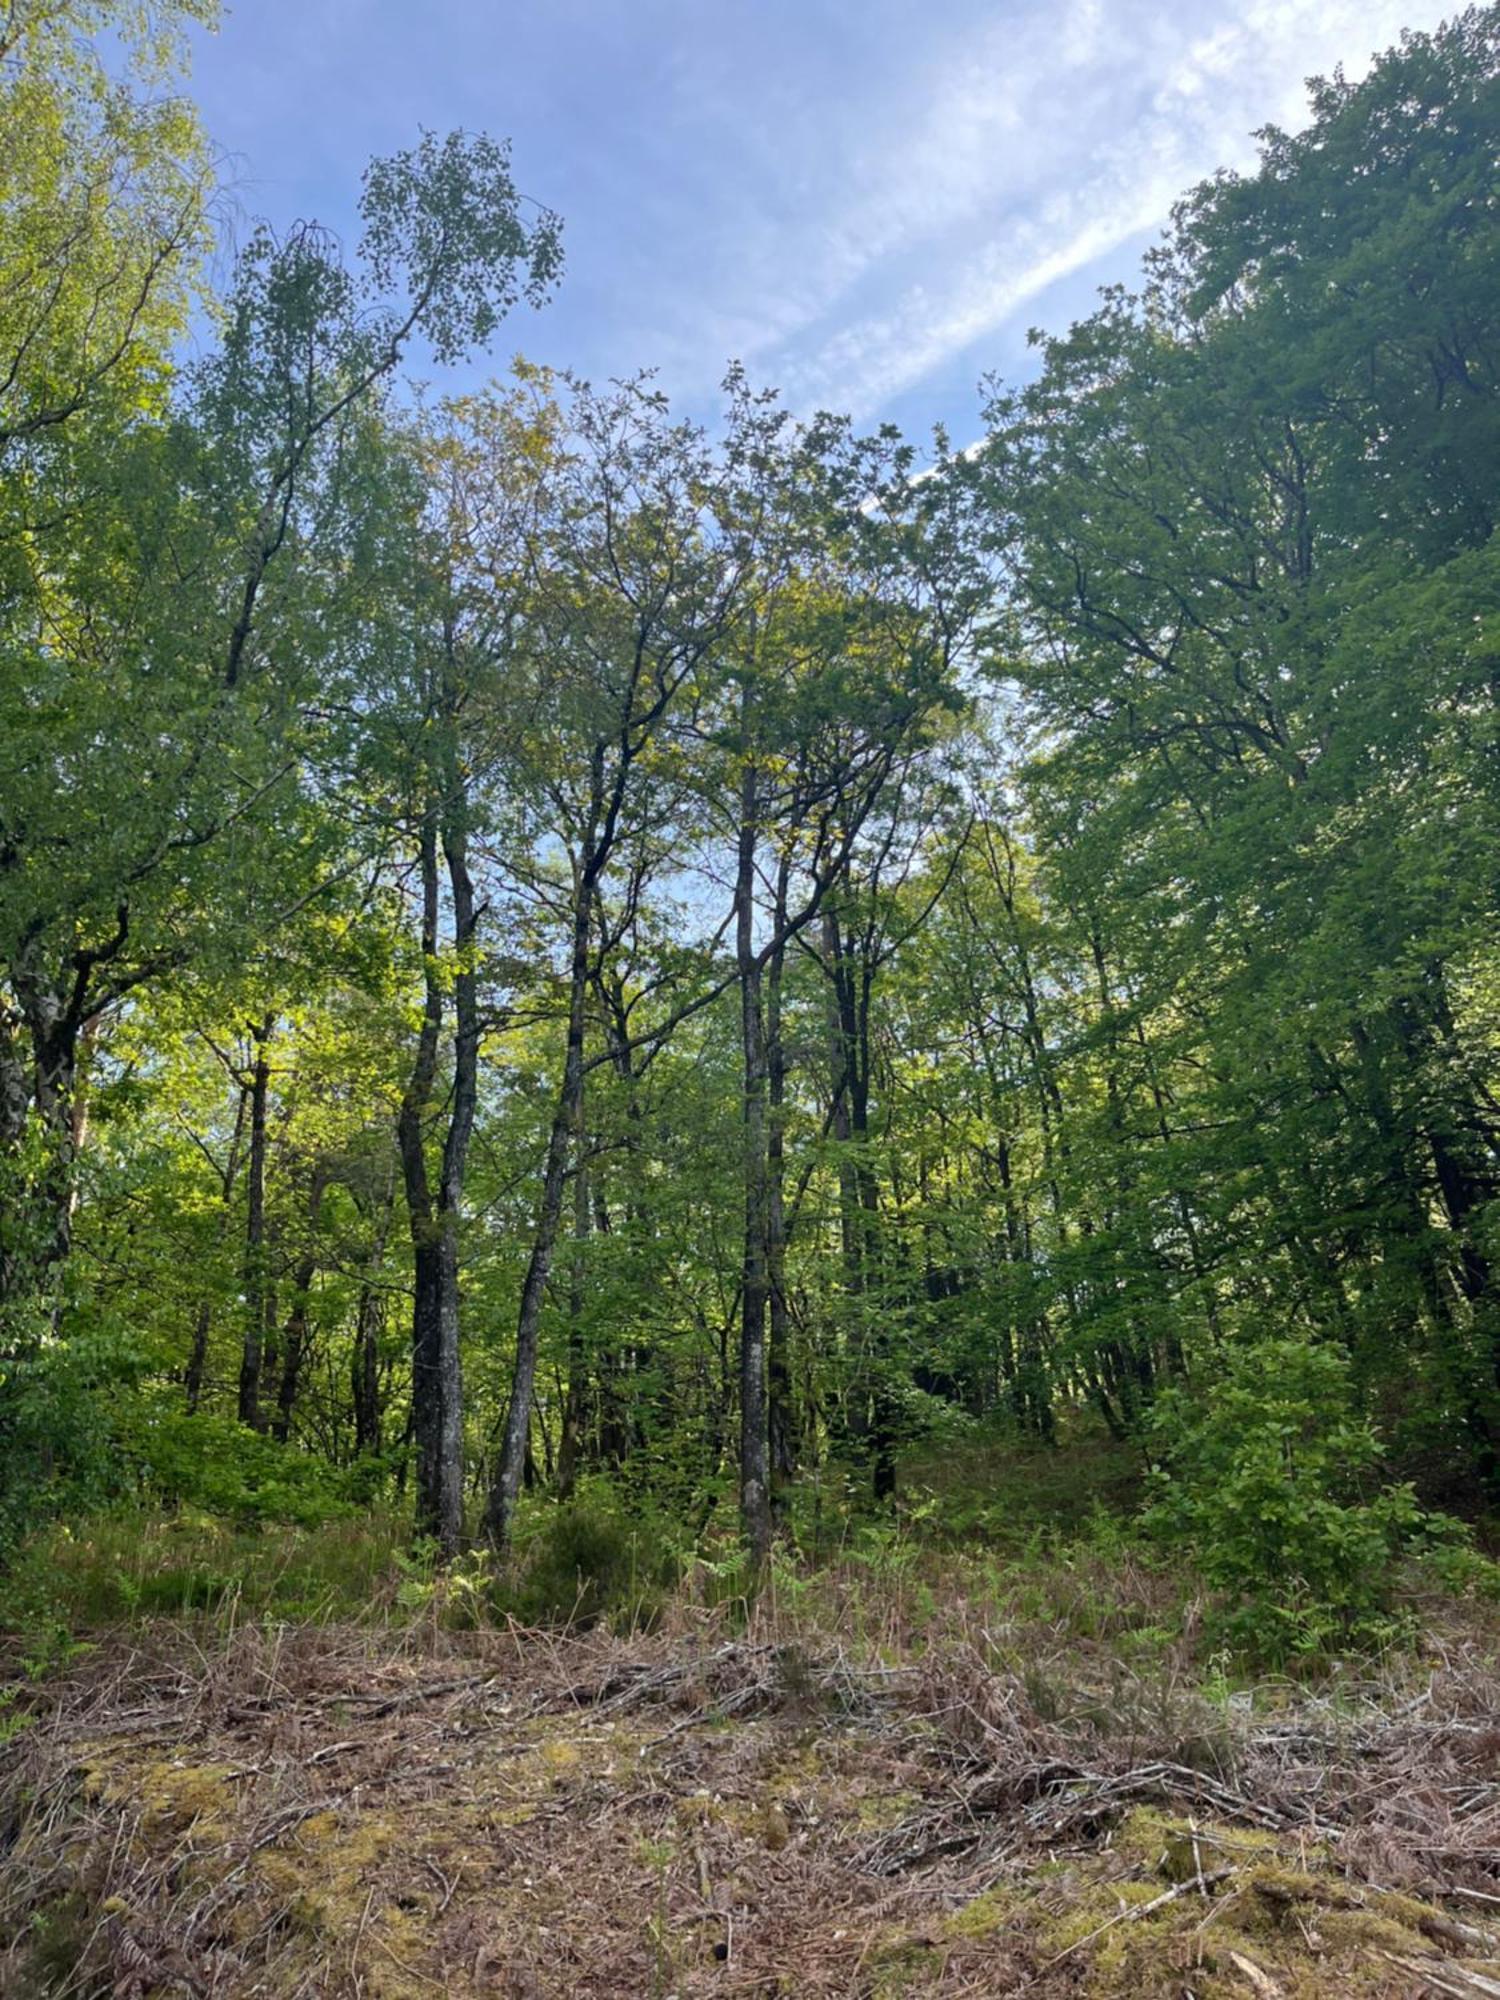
(57, 1438)
(1270, 1481)
(217, 1465)
(594, 1556)
(1448, 1556)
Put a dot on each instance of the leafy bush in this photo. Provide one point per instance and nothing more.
(220, 1466)
(1269, 1480)
(1449, 1557)
(57, 1440)
(79, 1432)
(594, 1556)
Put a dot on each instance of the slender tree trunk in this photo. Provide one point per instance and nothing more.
(434, 1214)
(36, 1227)
(1201, 1274)
(198, 1357)
(617, 1365)
(1032, 1400)
(1135, 1365)
(782, 1414)
(448, 1491)
(755, 1493)
(576, 1392)
(294, 1338)
(203, 1322)
(856, 1385)
(432, 1522)
(369, 1325)
(256, 1274)
(851, 979)
(885, 1413)
(510, 1469)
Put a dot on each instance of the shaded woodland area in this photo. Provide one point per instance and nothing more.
(749, 1172)
(552, 954)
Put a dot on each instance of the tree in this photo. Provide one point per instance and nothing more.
(161, 698)
(1249, 515)
(864, 604)
(647, 550)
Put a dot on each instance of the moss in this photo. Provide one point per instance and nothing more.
(900, 1964)
(285, 1880)
(348, 1846)
(172, 1791)
(1001, 1908)
(1295, 1918)
(1099, 1915)
(641, 1835)
(875, 1811)
(803, 1761)
(1151, 1836)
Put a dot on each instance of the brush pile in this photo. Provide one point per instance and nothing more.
(326, 1811)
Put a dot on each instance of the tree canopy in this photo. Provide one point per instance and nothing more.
(543, 941)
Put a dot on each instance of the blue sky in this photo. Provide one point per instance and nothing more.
(866, 201)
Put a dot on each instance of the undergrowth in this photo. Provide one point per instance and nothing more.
(1008, 1731)
(1097, 1589)
(1248, 1545)
(726, 1807)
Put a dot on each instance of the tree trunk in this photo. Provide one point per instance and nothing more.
(782, 1415)
(434, 1214)
(198, 1359)
(36, 1218)
(755, 1495)
(256, 1286)
(369, 1325)
(510, 1469)
(875, 1411)
(448, 1485)
(437, 1519)
(294, 1342)
(576, 1393)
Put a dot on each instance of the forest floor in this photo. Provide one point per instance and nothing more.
(392, 1812)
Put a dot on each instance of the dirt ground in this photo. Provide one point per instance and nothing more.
(310, 1811)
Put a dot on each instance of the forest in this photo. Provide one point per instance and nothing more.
(754, 1072)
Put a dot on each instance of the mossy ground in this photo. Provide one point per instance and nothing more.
(953, 1766)
(299, 1812)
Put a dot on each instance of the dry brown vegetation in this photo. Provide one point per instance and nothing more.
(306, 1811)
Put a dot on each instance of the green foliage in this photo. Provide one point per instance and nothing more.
(130, 1565)
(104, 191)
(57, 1439)
(445, 218)
(1269, 1480)
(1447, 1554)
(593, 1556)
(212, 1463)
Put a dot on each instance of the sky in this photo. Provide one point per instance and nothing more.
(867, 202)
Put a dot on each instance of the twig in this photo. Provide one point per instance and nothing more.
(1133, 1912)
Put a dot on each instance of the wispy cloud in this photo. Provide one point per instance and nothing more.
(1040, 148)
(857, 198)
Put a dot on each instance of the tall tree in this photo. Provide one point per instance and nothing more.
(646, 556)
(154, 804)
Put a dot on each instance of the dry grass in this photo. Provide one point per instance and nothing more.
(309, 1811)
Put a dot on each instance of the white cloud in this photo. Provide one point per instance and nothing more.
(1026, 155)
(849, 195)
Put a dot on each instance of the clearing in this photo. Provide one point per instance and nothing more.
(332, 1810)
